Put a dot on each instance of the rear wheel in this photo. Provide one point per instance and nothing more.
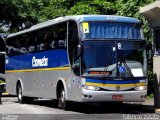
(21, 98)
(19, 94)
(62, 103)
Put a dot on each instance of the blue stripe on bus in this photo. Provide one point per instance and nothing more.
(112, 81)
(55, 58)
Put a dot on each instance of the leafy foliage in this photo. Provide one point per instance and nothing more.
(21, 14)
(93, 7)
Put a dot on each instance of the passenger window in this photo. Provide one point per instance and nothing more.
(53, 44)
(24, 50)
(40, 39)
(31, 48)
(56, 38)
(17, 45)
(23, 44)
(31, 42)
(61, 44)
(10, 47)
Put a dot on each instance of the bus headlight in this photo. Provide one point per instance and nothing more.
(93, 88)
(141, 88)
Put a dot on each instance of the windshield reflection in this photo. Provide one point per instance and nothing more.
(113, 59)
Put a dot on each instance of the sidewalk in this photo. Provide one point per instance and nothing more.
(149, 102)
(149, 105)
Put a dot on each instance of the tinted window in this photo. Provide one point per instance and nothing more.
(53, 37)
(17, 45)
(56, 36)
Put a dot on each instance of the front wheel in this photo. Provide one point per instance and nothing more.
(62, 103)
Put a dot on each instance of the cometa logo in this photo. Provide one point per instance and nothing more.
(41, 62)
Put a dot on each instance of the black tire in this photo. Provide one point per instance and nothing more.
(62, 102)
(22, 99)
(19, 94)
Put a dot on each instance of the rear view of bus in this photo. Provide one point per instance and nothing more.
(113, 60)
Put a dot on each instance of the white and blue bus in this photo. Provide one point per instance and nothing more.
(82, 58)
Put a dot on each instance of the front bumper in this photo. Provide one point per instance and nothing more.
(104, 96)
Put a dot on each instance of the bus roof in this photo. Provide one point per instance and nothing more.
(79, 18)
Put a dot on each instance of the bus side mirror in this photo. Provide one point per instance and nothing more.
(78, 50)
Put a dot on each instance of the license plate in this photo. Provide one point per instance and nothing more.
(117, 97)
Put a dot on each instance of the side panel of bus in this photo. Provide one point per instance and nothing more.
(43, 82)
(39, 70)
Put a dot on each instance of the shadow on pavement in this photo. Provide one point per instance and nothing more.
(101, 108)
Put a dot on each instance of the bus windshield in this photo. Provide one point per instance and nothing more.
(113, 58)
(111, 30)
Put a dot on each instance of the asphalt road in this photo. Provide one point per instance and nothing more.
(45, 110)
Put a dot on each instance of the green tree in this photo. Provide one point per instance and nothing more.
(93, 7)
(20, 14)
